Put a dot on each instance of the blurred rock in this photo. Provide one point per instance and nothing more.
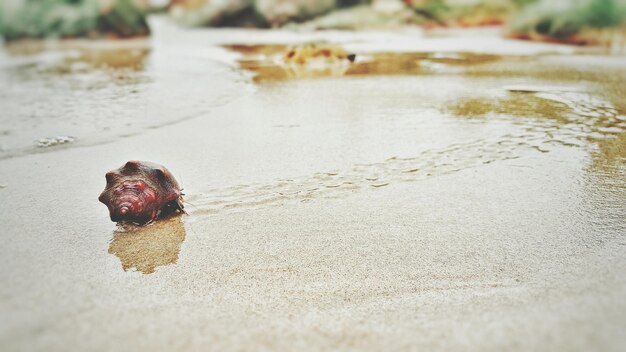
(388, 6)
(198, 13)
(279, 12)
(123, 18)
(433, 11)
(362, 17)
(257, 13)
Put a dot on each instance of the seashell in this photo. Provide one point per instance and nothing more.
(140, 192)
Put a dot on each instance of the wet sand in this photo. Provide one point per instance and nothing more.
(440, 210)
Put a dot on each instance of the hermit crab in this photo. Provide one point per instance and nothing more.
(140, 192)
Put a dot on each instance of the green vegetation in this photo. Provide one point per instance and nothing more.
(563, 19)
(69, 18)
(558, 19)
(467, 12)
(435, 10)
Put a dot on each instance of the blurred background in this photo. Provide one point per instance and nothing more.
(581, 22)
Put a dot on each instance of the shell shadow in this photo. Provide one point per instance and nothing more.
(147, 247)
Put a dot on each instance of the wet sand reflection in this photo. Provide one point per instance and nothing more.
(147, 247)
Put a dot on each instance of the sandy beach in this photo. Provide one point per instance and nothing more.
(441, 209)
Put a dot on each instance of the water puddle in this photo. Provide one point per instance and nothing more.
(541, 117)
(563, 117)
(275, 62)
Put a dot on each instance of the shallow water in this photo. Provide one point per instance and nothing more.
(96, 94)
(513, 119)
(442, 200)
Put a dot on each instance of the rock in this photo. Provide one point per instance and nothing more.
(280, 12)
(123, 18)
(361, 17)
(388, 6)
(256, 13)
(197, 13)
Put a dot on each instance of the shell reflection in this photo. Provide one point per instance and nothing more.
(147, 247)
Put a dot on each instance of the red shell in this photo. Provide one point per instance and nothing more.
(140, 192)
